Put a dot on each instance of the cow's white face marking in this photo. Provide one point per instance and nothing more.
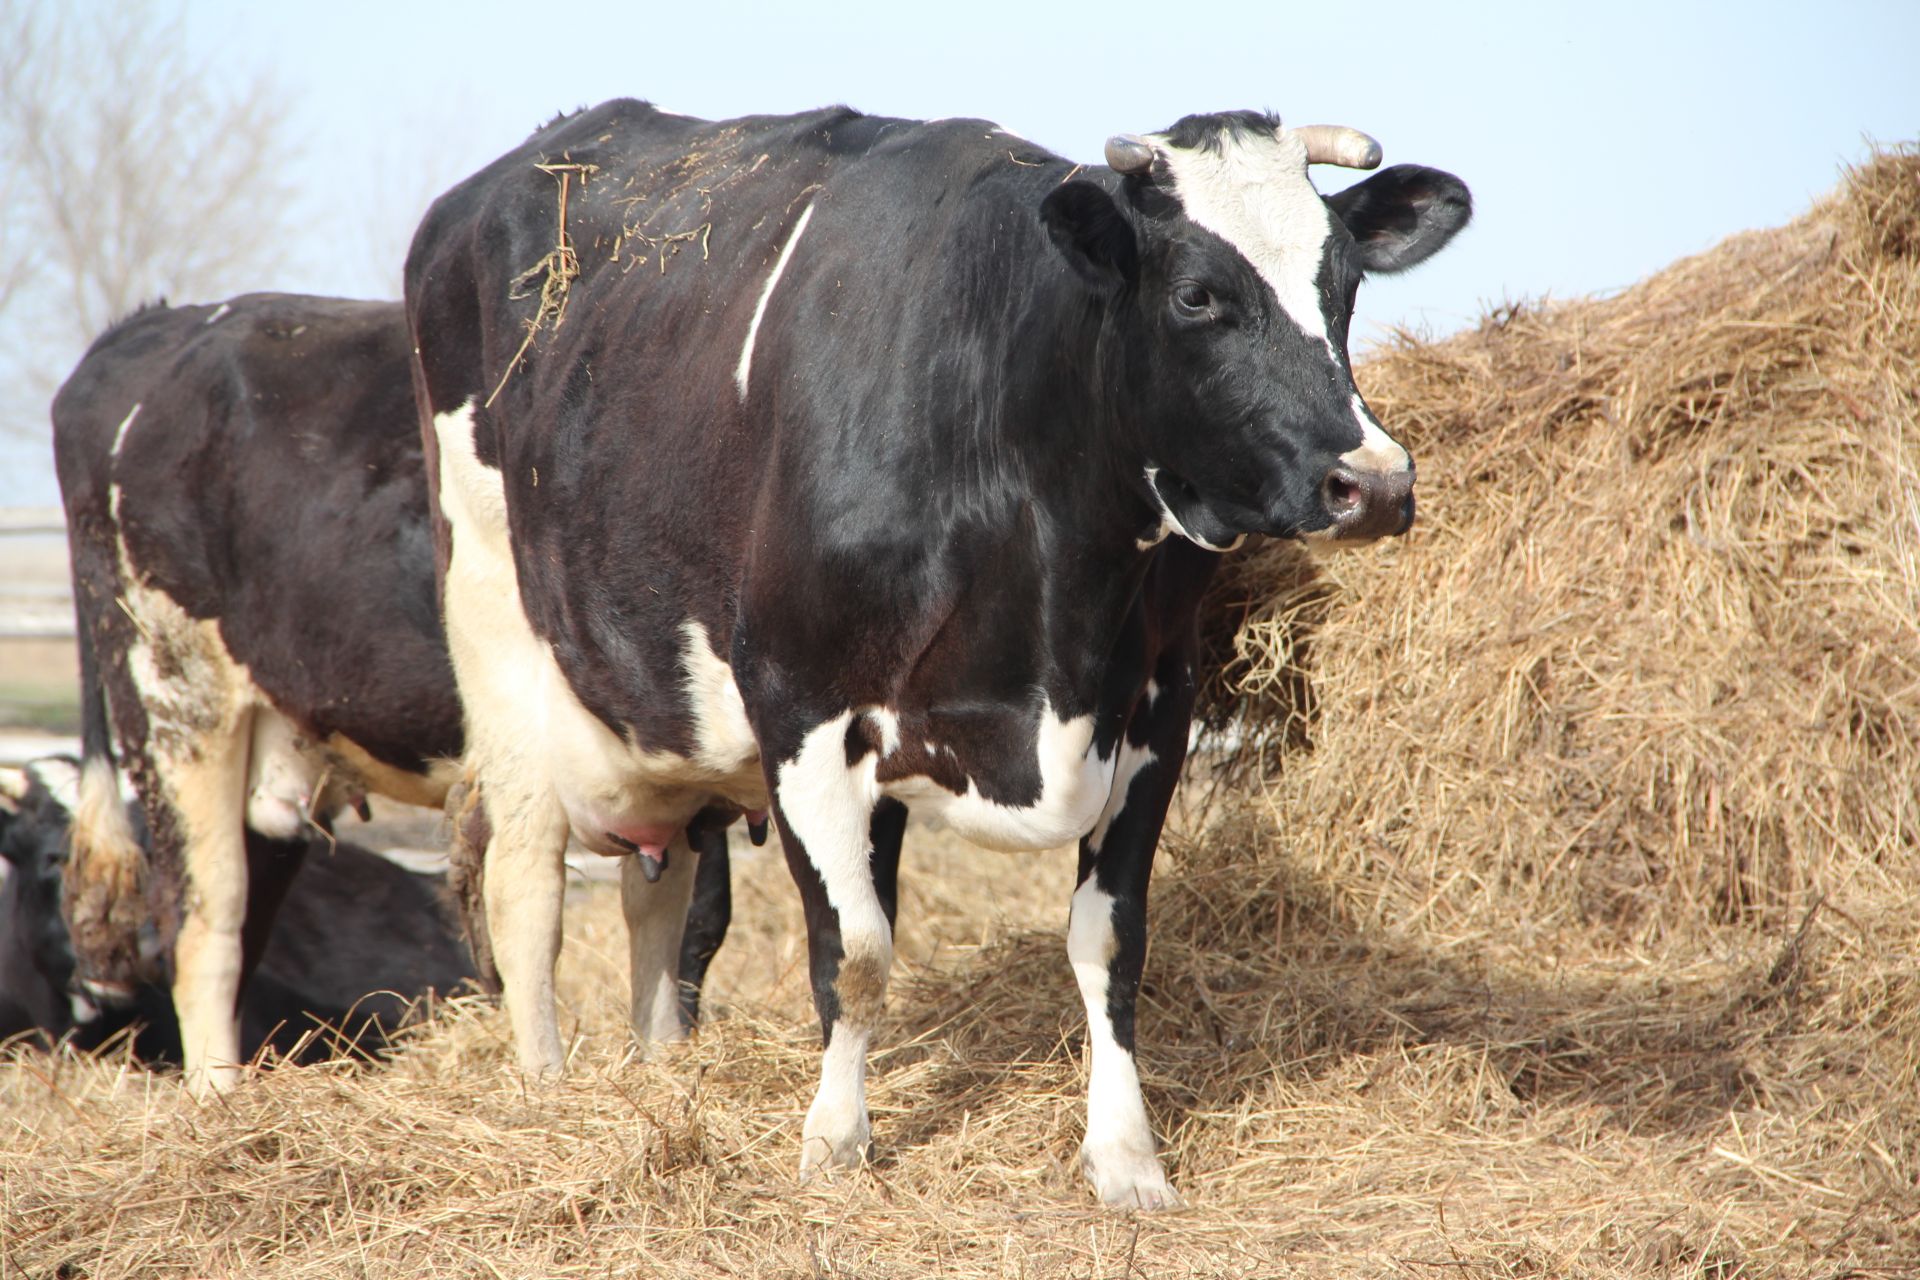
(766, 295)
(218, 311)
(1075, 780)
(1378, 451)
(120, 438)
(1254, 194)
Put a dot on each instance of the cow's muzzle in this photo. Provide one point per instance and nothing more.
(1368, 504)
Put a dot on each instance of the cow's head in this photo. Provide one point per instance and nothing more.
(36, 967)
(1230, 282)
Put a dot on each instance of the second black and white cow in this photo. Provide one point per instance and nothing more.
(253, 578)
(839, 464)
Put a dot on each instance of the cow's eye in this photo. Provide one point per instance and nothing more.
(1191, 301)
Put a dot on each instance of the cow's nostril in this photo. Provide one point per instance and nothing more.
(1342, 492)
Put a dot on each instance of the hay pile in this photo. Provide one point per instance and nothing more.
(1650, 662)
(1559, 914)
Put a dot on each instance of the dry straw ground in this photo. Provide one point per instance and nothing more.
(1559, 914)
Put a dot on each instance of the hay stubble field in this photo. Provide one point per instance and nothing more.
(1557, 913)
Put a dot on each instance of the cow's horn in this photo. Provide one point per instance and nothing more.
(1129, 153)
(1336, 144)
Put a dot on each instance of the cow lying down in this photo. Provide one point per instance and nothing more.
(358, 944)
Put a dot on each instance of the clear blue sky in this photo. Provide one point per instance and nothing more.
(1601, 140)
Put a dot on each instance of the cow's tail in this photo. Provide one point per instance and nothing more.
(101, 890)
(466, 874)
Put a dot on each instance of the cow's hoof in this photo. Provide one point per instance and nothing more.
(1127, 1179)
(543, 1075)
(204, 1082)
(824, 1152)
(654, 1040)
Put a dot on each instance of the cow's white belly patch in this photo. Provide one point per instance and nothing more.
(520, 707)
(1075, 781)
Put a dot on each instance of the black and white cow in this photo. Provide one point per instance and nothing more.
(858, 463)
(253, 577)
(358, 943)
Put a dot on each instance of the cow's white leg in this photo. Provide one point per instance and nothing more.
(206, 786)
(1107, 937)
(656, 919)
(524, 886)
(1118, 1155)
(826, 811)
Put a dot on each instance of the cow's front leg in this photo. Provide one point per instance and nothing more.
(830, 819)
(656, 914)
(1107, 940)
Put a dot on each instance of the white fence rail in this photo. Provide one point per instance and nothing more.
(36, 595)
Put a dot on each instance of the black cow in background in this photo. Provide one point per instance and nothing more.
(359, 941)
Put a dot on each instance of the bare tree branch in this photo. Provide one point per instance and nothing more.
(136, 171)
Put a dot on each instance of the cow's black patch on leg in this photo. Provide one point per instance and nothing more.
(887, 829)
(271, 867)
(708, 915)
(824, 948)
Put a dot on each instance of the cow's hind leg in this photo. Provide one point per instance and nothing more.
(205, 798)
(524, 885)
(708, 915)
(656, 914)
(271, 867)
(1107, 941)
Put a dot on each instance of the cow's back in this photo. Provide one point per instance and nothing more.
(726, 272)
(257, 462)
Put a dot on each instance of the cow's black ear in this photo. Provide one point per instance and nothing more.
(1402, 216)
(1091, 234)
